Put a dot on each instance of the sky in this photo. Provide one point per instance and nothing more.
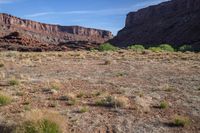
(101, 14)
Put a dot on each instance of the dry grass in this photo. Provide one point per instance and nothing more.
(111, 101)
(4, 99)
(181, 121)
(132, 82)
(42, 121)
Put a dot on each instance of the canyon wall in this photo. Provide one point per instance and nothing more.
(176, 22)
(46, 34)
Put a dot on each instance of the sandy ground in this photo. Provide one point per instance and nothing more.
(144, 80)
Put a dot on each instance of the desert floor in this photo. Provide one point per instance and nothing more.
(71, 83)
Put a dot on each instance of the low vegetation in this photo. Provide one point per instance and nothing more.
(185, 48)
(111, 101)
(166, 47)
(137, 48)
(4, 99)
(107, 47)
(162, 47)
(155, 49)
(71, 102)
(164, 105)
(83, 109)
(181, 121)
(42, 122)
(55, 85)
(14, 82)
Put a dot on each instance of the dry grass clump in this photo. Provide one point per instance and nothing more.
(42, 121)
(55, 85)
(164, 105)
(14, 82)
(181, 121)
(83, 109)
(69, 98)
(111, 101)
(4, 99)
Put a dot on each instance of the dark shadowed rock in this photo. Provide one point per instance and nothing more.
(176, 22)
(28, 35)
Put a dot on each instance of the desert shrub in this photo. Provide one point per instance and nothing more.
(137, 47)
(42, 122)
(155, 49)
(110, 101)
(13, 82)
(107, 47)
(48, 126)
(42, 126)
(163, 105)
(55, 87)
(83, 110)
(4, 99)
(166, 47)
(181, 121)
(71, 102)
(185, 48)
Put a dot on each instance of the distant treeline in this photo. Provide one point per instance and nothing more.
(139, 48)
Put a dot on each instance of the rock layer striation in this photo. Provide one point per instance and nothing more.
(175, 22)
(18, 34)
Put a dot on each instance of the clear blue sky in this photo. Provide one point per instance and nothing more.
(101, 14)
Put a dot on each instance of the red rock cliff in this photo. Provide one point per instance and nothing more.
(52, 34)
(176, 22)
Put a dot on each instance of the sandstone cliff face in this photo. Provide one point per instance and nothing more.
(54, 35)
(176, 22)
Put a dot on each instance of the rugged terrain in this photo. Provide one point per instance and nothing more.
(142, 80)
(26, 35)
(175, 22)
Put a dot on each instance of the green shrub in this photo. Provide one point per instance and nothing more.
(4, 99)
(163, 105)
(155, 49)
(185, 48)
(136, 48)
(107, 47)
(13, 82)
(71, 102)
(42, 126)
(47, 126)
(83, 110)
(181, 121)
(28, 127)
(166, 47)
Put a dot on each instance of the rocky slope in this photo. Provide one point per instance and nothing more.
(26, 35)
(175, 22)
